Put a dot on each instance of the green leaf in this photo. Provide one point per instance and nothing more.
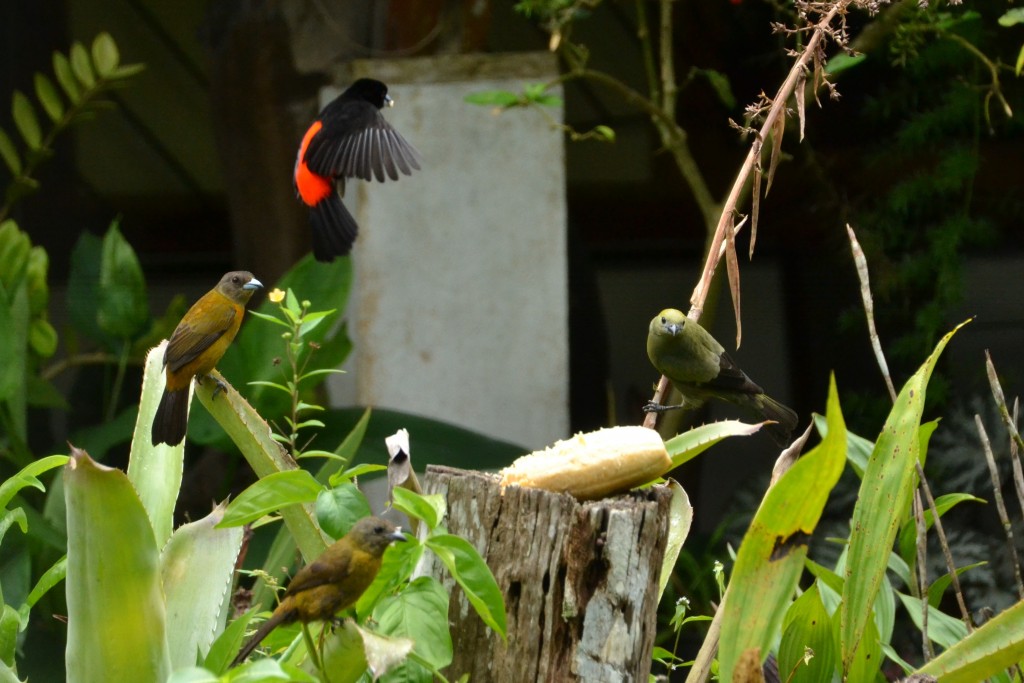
(1019, 66)
(807, 626)
(338, 509)
(994, 647)
(84, 285)
(474, 577)
(773, 551)
(156, 471)
(228, 643)
(113, 561)
(430, 508)
(9, 625)
(908, 534)
(50, 578)
(398, 564)
(719, 82)
(27, 476)
(123, 305)
(680, 519)
(420, 612)
(46, 92)
(492, 98)
(888, 480)
(9, 153)
(104, 54)
(691, 443)
(127, 70)
(270, 319)
(42, 338)
(843, 62)
(66, 77)
(939, 586)
(1012, 17)
(197, 567)
(943, 629)
(269, 494)
(357, 471)
(26, 121)
(80, 65)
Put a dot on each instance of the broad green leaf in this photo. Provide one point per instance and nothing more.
(867, 658)
(420, 613)
(996, 646)
(474, 577)
(46, 92)
(908, 534)
(680, 519)
(113, 562)
(228, 643)
(807, 626)
(887, 482)
(104, 54)
(156, 470)
(398, 564)
(197, 566)
(430, 508)
(943, 629)
(771, 556)
(80, 65)
(123, 305)
(691, 443)
(9, 153)
(25, 120)
(270, 494)
(338, 509)
(83, 292)
(66, 77)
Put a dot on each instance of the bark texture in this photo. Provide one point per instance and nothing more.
(580, 580)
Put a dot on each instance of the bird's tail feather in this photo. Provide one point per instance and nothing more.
(171, 420)
(265, 628)
(786, 420)
(334, 228)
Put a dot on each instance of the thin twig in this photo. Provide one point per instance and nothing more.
(922, 573)
(944, 544)
(869, 309)
(1000, 505)
(50, 372)
(1018, 474)
(997, 394)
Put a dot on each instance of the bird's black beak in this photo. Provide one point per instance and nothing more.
(253, 284)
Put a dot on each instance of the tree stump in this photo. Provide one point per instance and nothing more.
(580, 580)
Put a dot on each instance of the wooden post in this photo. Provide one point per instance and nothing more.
(580, 580)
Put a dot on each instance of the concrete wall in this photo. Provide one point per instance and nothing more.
(460, 304)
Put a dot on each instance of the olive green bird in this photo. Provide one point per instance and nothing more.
(699, 368)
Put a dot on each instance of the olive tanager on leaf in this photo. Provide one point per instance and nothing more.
(197, 345)
(332, 582)
(349, 139)
(699, 368)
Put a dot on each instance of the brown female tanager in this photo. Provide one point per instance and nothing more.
(332, 582)
(349, 139)
(699, 368)
(197, 345)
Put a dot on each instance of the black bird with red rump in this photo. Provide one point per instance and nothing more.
(350, 139)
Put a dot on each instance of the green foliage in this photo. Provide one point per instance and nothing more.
(84, 80)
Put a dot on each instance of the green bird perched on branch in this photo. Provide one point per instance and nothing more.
(699, 368)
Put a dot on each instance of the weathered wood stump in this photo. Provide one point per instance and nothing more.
(580, 580)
